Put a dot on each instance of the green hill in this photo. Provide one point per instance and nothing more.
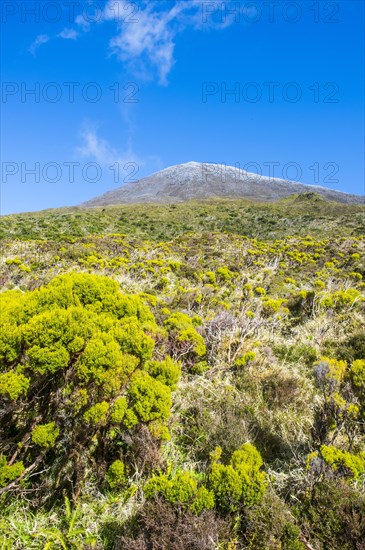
(296, 215)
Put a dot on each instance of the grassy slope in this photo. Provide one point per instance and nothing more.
(308, 214)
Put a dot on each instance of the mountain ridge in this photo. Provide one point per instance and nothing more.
(196, 181)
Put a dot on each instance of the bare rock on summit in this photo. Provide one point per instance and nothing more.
(197, 181)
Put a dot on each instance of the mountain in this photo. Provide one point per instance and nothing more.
(195, 181)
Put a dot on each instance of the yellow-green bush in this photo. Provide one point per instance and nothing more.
(357, 374)
(342, 298)
(185, 342)
(245, 358)
(341, 462)
(116, 474)
(97, 413)
(183, 489)
(119, 409)
(45, 435)
(168, 372)
(150, 399)
(9, 473)
(85, 365)
(13, 384)
(241, 482)
(203, 500)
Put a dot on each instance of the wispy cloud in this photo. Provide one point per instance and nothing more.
(40, 39)
(146, 32)
(147, 39)
(68, 34)
(124, 162)
(65, 34)
(101, 151)
(83, 23)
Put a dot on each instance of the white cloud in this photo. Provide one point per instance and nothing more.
(149, 40)
(40, 39)
(100, 151)
(146, 30)
(83, 23)
(119, 10)
(68, 34)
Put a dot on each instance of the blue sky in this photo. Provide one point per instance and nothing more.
(123, 89)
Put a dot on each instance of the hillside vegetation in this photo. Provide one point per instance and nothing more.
(297, 215)
(184, 377)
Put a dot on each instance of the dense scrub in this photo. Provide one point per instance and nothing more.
(78, 381)
(202, 393)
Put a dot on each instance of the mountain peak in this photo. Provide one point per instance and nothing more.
(203, 180)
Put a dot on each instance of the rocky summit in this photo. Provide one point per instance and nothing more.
(196, 181)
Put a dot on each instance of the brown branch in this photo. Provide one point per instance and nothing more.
(24, 440)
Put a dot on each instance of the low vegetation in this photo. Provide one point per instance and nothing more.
(174, 388)
(304, 214)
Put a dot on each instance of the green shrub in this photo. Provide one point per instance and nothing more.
(296, 353)
(351, 349)
(13, 384)
(155, 486)
(84, 349)
(260, 291)
(341, 462)
(225, 483)
(342, 298)
(150, 399)
(45, 435)
(182, 488)
(357, 375)
(116, 475)
(225, 274)
(332, 513)
(97, 413)
(168, 372)
(203, 500)
(270, 525)
(272, 306)
(239, 482)
(245, 358)
(119, 409)
(184, 340)
(9, 473)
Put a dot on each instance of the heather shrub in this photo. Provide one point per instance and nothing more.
(161, 525)
(270, 524)
(116, 474)
(340, 462)
(45, 435)
(241, 482)
(168, 372)
(332, 514)
(9, 473)
(185, 343)
(84, 378)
